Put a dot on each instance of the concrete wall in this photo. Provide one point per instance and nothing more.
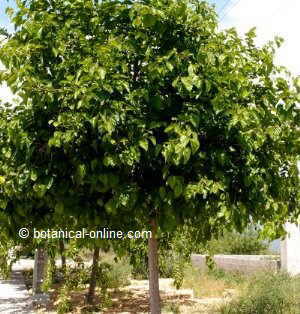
(290, 250)
(241, 263)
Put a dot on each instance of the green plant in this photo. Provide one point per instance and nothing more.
(64, 303)
(168, 260)
(229, 277)
(50, 275)
(8, 251)
(171, 308)
(178, 274)
(119, 275)
(232, 242)
(276, 293)
(211, 283)
(121, 270)
(76, 277)
(115, 91)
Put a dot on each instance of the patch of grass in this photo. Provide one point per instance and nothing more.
(266, 293)
(213, 283)
(232, 278)
(171, 308)
(118, 272)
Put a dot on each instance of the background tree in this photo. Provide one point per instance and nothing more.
(4, 32)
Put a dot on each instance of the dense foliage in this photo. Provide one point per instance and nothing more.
(138, 110)
(247, 243)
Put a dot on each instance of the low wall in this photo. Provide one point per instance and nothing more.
(241, 263)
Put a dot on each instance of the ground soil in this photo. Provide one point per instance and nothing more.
(133, 299)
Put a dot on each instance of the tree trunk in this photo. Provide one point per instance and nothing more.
(53, 268)
(63, 256)
(153, 271)
(40, 263)
(93, 278)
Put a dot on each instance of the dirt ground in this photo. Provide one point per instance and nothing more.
(133, 299)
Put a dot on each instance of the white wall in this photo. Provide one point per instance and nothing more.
(290, 250)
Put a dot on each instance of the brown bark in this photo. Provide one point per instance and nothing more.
(93, 279)
(63, 256)
(153, 271)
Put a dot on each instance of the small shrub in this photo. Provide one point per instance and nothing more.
(276, 293)
(113, 275)
(236, 243)
(119, 272)
(229, 277)
(178, 273)
(50, 275)
(64, 303)
(76, 277)
(171, 308)
(7, 255)
(119, 275)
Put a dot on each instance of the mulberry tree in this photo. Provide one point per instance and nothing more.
(147, 102)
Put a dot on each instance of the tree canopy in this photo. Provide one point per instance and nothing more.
(143, 109)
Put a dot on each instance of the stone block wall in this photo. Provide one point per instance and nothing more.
(241, 263)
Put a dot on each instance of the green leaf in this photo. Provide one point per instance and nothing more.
(162, 192)
(195, 120)
(104, 179)
(187, 82)
(194, 144)
(3, 203)
(176, 184)
(191, 70)
(49, 182)
(186, 155)
(33, 175)
(144, 144)
(55, 51)
(102, 73)
(80, 172)
(153, 140)
(39, 33)
(40, 189)
(178, 190)
(59, 207)
(2, 179)
(169, 66)
(110, 207)
(149, 20)
(156, 102)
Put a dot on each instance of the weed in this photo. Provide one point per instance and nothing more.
(276, 293)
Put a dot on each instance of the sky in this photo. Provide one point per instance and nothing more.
(4, 20)
(271, 17)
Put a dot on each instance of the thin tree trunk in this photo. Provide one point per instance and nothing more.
(93, 278)
(63, 256)
(40, 262)
(53, 268)
(153, 271)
